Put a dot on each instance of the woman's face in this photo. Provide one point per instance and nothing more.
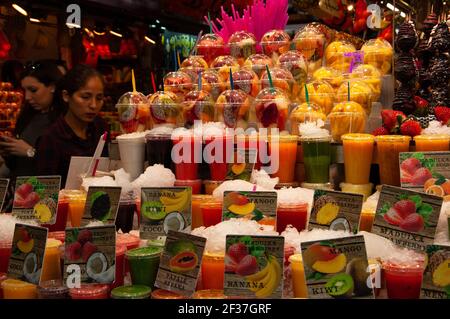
(37, 94)
(85, 103)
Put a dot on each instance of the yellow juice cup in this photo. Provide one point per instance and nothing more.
(51, 267)
(77, 201)
(432, 143)
(18, 289)
(358, 153)
(298, 276)
(388, 149)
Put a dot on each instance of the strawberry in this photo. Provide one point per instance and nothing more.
(87, 250)
(230, 264)
(405, 208)
(410, 165)
(393, 217)
(392, 119)
(421, 176)
(421, 105)
(31, 200)
(25, 236)
(247, 266)
(380, 131)
(84, 236)
(411, 128)
(413, 223)
(73, 251)
(442, 114)
(24, 190)
(237, 251)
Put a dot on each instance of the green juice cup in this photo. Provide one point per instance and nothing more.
(144, 263)
(131, 292)
(317, 158)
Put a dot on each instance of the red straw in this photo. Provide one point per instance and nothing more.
(153, 82)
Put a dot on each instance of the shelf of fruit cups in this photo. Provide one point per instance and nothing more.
(10, 103)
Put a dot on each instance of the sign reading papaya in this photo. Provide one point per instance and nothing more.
(180, 263)
(164, 209)
(250, 205)
(27, 253)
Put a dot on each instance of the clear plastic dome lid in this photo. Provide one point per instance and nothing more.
(275, 36)
(338, 49)
(305, 108)
(305, 112)
(258, 62)
(293, 58)
(270, 94)
(357, 87)
(245, 74)
(164, 108)
(177, 78)
(366, 71)
(198, 105)
(377, 46)
(194, 62)
(242, 38)
(199, 96)
(309, 33)
(233, 108)
(224, 60)
(281, 78)
(348, 107)
(271, 108)
(330, 75)
(210, 40)
(132, 98)
(162, 97)
(210, 76)
(232, 97)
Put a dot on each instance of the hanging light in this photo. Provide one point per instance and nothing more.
(20, 9)
(99, 29)
(148, 39)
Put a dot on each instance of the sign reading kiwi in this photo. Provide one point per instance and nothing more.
(436, 278)
(4, 182)
(250, 205)
(427, 172)
(164, 209)
(254, 266)
(36, 197)
(407, 218)
(336, 211)
(102, 204)
(180, 263)
(91, 251)
(337, 268)
(27, 253)
(242, 167)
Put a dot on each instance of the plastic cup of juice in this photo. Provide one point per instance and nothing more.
(61, 214)
(18, 289)
(211, 212)
(358, 153)
(197, 218)
(298, 276)
(195, 185)
(144, 263)
(77, 201)
(220, 147)
(3, 277)
(51, 267)
(295, 214)
(317, 158)
(90, 291)
(131, 292)
(132, 154)
(213, 269)
(125, 215)
(283, 154)
(5, 253)
(52, 289)
(363, 189)
(158, 149)
(432, 143)
(403, 281)
(120, 264)
(366, 220)
(388, 148)
(186, 167)
(166, 294)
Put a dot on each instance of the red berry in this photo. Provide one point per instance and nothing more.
(84, 236)
(88, 249)
(411, 165)
(24, 190)
(413, 223)
(393, 217)
(411, 128)
(442, 114)
(247, 266)
(391, 118)
(73, 251)
(380, 131)
(421, 176)
(405, 208)
(238, 251)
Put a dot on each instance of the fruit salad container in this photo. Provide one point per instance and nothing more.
(134, 112)
(194, 64)
(338, 56)
(371, 76)
(165, 109)
(378, 53)
(222, 64)
(274, 43)
(283, 80)
(311, 43)
(178, 83)
(257, 62)
(233, 108)
(360, 93)
(296, 63)
(320, 93)
(272, 108)
(242, 44)
(212, 83)
(305, 112)
(246, 80)
(332, 76)
(347, 117)
(210, 46)
(197, 106)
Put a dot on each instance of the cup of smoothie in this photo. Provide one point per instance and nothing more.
(158, 147)
(90, 291)
(18, 289)
(432, 143)
(131, 292)
(5, 253)
(358, 153)
(213, 270)
(298, 276)
(283, 154)
(51, 267)
(132, 153)
(219, 148)
(120, 266)
(125, 215)
(197, 218)
(186, 154)
(403, 280)
(144, 263)
(295, 214)
(77, 201)
(195, 185)
(317, 158)
(388, 148)
(211, 212)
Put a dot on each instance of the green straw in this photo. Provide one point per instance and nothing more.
(348, 91)
(210, 26)
(231, 81)
(270, 78)
(306, 94)
(200, 81)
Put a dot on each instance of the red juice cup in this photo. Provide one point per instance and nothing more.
(90, 291)
(275, 42)
(196, 185)
(125, 215)
(220, 149)
(252, 142)
(5, 253)
(186, 167)
(211, 212)
(403, 281)
(258, 62)
(210, 46)
(120, 264)
(52, 289)
(130, 242)
(295, 214)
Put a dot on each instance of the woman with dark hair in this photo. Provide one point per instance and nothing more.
(39, 82)
(77, 132)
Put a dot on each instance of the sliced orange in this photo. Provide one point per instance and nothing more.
(446, 187)
(435, 190)
(429, 183)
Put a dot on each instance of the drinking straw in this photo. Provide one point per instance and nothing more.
(153, 82)
(200, 81)
(348, 91)
(270, 77)
(209, 23)
(175, 60)
(178, 59)
(97, 154)
(306, 94)
(133, 81)
(231, 81)
(194, 48)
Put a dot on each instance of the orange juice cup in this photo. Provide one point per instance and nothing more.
(286, 147)
(432, 143)
(211, 212)
(366, 220)
(358, 152)
(213, 269)
(197, 218)
(51, 267)
(389, 147)
(298, 276)
(18, 289)
(77, 201)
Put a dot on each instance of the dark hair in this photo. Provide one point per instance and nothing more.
(11, 71)
(77, 77)
(48, 74)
